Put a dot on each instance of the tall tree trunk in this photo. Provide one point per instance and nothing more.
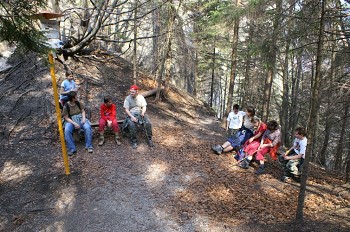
(212, 76)
(135, 43)
(339, 150)
(329, 106)
(156, 29)
(271, 63)
(233, 61)
(315, 101)
(284, 115)
(247, 84)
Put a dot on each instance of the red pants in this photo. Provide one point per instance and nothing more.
(251, 147)
(260, 153)
(103, 123)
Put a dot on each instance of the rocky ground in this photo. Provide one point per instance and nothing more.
(179, 185)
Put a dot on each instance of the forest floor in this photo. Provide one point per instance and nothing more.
(179, 185)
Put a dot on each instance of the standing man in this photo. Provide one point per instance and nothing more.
(234, 120)
(108, 117)
(135, 108)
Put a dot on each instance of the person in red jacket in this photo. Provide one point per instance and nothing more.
(108, 113)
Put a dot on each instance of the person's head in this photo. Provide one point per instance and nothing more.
(272, 125)
(235, 108)
(134, 89)
(256, 121)
(250, 111)
(107, 100)
(300, 133)
(72, 96)
(69, 75)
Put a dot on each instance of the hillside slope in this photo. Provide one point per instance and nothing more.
(179, 185)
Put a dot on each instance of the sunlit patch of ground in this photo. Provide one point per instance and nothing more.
(14, 172)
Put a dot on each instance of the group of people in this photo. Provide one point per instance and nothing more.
(251, 138)
(74, 114)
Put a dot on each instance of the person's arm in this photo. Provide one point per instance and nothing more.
(255, 137)
(127, 111)
(143, 111)
(293, 157)
(113, 114)
(83, 120)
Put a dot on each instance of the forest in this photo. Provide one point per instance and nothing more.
(287, 58)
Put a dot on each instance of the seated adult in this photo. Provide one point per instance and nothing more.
(252, 144)
(292, 159)
(74, 116)
(67, 86)
(135, 108)
(241, 136)
(270, 139)
(108, 117)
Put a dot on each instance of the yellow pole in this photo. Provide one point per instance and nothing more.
(58, 113)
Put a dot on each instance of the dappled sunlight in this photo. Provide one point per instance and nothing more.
(156, 173)
(55, 227)
(66, 199)
(221, 193)
(15, 172)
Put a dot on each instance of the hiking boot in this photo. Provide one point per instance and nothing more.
(90, 150)
(101, 140)
(134, 145)
(150, 143)
(217, 149)
(261, 170)
(244, 164)
(117, 140)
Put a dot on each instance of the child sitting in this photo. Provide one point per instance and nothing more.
(292, 160)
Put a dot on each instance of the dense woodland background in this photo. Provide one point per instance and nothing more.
(287, 58)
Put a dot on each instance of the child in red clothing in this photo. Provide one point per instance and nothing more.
(108, 113)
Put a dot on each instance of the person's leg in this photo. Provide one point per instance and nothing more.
(116, 131)
(132, 130)
(101, 128)
(148, 128)
(88, 135)
(68, 135)
(292, 167)
(260, 157)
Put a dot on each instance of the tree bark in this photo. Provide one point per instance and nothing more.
(233, 61)
(315, 101)
(271, 63)
(339, 149)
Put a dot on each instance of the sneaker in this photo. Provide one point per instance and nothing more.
(244, 164)
(261, 170)
(90, 150)
(150, 143)
(101, 140)
(117, 140)
(134, 145)
(285, 179)
(217, 149)
(70, 153)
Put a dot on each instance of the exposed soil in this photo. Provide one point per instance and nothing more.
(179, 185)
